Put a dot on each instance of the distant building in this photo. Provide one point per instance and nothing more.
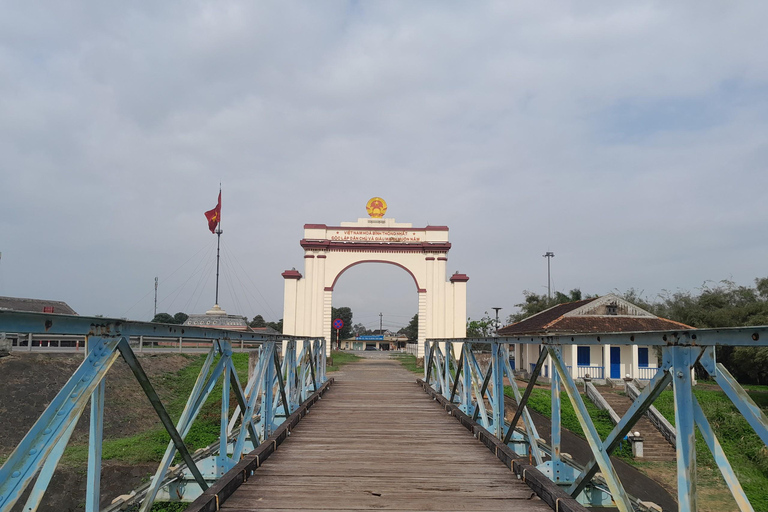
(219, 319)
(608, 313)
(35, 306)
(31, 306)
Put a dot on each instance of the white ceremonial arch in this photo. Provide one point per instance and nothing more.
(421, 252)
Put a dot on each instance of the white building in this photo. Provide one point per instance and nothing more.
(608, 313)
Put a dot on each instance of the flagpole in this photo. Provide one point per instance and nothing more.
(218, 246)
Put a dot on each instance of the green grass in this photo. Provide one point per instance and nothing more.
(150, 445)
(541, 402)
(341, 358)
(408, 361)
(746, 453)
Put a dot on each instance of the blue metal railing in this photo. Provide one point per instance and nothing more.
(273, 392)
(478, 392)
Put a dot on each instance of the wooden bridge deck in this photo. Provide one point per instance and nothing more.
(378, 442)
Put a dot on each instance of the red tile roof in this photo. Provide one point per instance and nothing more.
(555, 320)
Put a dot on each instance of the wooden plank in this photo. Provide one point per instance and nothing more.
(376, 441)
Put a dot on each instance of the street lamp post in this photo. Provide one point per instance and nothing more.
(549, 255)
(497, 320)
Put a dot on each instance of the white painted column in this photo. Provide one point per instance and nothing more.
(309, 281)
(634, 371)
(430, 287)
(318, 296)
(440, 284)
(574, 361)
(290, 301)
(422, 324)
(606, 361)
(459, 285)
(327, 312)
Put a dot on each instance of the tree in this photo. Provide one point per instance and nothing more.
(164, 318)
(360, 330)
(180, 317)
(258, 321)
(482, 328)
(278, 326)
(535, 303)
(720, 304)
(412, 329)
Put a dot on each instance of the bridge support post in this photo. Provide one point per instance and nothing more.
(497, 390)
(289, 363)
(223, 462)
(466, 388)
(598, 450)
(682, 363)
(33, 451)
(95, 439)
(556, 424)
(268, 382)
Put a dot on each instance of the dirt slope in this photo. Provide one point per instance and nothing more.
(28, 383)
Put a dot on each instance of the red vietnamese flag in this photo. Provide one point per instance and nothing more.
(214, 216)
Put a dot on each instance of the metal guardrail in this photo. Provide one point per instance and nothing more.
(272, 394)
(479, 394)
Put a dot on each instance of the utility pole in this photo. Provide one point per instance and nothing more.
(496, 331)
(155, 297)
(549, 255)
(381, 323)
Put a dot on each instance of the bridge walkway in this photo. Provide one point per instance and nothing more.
(377, 441)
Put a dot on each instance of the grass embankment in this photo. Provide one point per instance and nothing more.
(541, 402)
(339, 359)
(746, 452)
(150, 445)
(408, 361)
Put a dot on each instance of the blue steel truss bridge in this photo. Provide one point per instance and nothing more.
(376, 438)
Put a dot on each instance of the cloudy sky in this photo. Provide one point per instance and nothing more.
(629, 138)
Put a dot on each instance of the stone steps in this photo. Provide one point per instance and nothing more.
(655, 446)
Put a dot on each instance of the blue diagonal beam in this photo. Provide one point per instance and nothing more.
(522, 403)
(601, 455)
(720, 459)
(635, 411)
(130, 358)
(246, 421)
(51, 462)
(530, 429)
(740, 398)
(29, 456)
(200, 391)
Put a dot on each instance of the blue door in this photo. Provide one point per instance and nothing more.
(615, 362)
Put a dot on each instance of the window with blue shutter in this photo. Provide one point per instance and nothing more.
(582, 356)
(642, 357)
